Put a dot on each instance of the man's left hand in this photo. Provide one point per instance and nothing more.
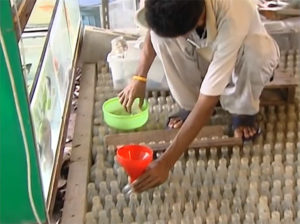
(156, 173)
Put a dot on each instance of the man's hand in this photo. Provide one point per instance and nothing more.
(156, 173)
(135, 89)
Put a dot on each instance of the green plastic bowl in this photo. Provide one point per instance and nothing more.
(116, 116)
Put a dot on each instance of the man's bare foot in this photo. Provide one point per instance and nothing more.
(245, 132)
(175, 122)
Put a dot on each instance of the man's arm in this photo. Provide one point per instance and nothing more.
(147, 57)
(158, 170)
(136, 88)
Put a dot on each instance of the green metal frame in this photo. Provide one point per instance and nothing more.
(14, 199)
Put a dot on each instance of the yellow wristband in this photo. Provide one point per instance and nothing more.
(140, 78)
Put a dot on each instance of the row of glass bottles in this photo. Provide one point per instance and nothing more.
(252, 184)
(290, 61)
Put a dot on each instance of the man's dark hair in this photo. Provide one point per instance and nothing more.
(172, 18)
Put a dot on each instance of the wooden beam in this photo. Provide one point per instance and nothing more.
(282, 81)
(24, 11)
(205, 143)
(161, 138)
(63, 135)
(280, 90)
(75, 200)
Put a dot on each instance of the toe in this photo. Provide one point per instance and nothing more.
(252, 131)
(238, 133)
(178, 124)
(246, 132)
(173, 122)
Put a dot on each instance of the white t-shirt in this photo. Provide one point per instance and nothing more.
(228, 23)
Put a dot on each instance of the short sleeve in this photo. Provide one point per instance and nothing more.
(232, 30)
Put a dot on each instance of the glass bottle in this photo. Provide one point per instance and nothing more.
(127, 216)
(145, 201)
(270, 138)
(197, 178)
(287, 217)
(111, 152)
(103, 191)
(90, 219)
(121, 202)
(249, 218)
(176, 211)
(263, 209)
(244, 164)
(213, 209)
(289, 161)
(186, 182)
(121, 177)
(91, 192)
(250, 206)
(246, 151)
(278, 173)
(133, 203)
(278, 148)
(197, 220)
(289, 187)
(275, 217)
(201, 165)
(180, 197)
(177, 173)
(289, 172)
(96, 206)
(237, 207)
(210, 219)
(216, 193)
(214, 153)
(188, 212)
(169, 100)
(164, 212)
(276, 190)
(290, 147)
(287, 203)
(99, 176)
(193, 197)
(298, 186)
(190, 168)
(202, 154)
(157, 199)
(109, 203)
(140, 215)
(297, 220)
(290, 136)
(114, 189)
(115, 217)
(225, 207)
(223, 219)
(235, 218)
(280, 137)
(110, 176)
(265, 189)
(103, 218)
(242, 188)
(236, 152)
(152, 214)
(201, 210)
(227, 194)
(204, 195)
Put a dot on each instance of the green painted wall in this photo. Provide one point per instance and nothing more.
(14, 200)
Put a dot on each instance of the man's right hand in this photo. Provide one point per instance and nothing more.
(135, 89)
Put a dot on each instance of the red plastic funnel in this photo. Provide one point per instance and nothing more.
(134, 159)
